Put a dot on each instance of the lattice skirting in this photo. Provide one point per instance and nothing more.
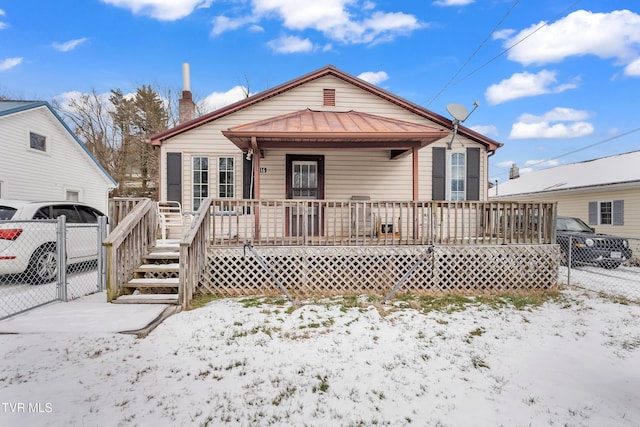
(355, 270)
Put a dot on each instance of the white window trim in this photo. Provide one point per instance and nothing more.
(72, 190)
(193, 183)
(599, 204)
(449, 174)
(233, 185)
(47, 142)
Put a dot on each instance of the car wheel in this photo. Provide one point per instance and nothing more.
(43, 266)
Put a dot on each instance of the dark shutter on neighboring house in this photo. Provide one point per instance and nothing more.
(618, 212)
(593, 213)
(473, 174)
(438, 174)
(174, 177)
(247, 187)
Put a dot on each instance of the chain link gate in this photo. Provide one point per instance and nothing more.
(33, 270)
(609, 266)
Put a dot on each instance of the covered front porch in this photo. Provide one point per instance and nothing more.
(303, 248)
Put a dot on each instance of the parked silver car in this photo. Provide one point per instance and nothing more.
(28, 247)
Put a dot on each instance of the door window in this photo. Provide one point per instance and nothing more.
(304, 179)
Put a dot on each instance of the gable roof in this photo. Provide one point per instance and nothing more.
(328, 70)
(619, 169)
(333, 129)
(9, 107)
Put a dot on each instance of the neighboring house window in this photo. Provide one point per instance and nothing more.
(610, 212)
(455, 175)
(37, 141)
(73, 196)
(200, 180)
(226, 177)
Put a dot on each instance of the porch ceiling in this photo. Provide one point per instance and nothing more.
(308, 129)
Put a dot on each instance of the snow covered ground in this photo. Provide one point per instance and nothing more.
(571, 361)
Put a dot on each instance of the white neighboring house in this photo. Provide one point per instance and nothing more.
(603, 192)
(42, 159)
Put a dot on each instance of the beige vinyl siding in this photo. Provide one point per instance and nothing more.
(576, 204)
(29, 174)
(374, 173)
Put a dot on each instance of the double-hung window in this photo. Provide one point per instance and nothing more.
(609, 212)
(456, 183)
(200, 181)
(226, 177)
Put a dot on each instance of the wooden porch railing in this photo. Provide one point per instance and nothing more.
(119, 208)
(127, 244)
(326, 222)
(193, 253)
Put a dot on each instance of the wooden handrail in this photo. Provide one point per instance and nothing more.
(127, 244)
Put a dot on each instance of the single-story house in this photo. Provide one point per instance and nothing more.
(328, 185)
(42, 159)
(324, 135)
(603, 192)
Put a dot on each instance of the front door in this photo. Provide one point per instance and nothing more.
(305, 181)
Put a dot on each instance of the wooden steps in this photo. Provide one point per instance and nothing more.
(156, 281)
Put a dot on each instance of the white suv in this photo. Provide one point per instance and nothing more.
(28, 247)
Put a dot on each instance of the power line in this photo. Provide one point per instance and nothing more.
(582, 149)
(544, 24)
(474, 53)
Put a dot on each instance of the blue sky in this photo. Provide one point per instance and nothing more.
(558, 81)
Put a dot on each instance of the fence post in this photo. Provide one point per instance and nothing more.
(102, 253)
(569, 251)
(61, 248)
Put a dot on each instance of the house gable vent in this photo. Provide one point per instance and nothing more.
(329, 97)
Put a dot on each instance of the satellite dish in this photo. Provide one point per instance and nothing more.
(458, 112)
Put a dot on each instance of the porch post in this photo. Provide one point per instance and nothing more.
(256, 186)
(416, 192)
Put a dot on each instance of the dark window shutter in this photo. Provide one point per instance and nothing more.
(473, 174)
(618, 212)
(438, 174)
(593, 213)
(174, 177)
(247, 184)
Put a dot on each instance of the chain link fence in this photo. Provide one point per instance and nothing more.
(606, 264)
(42, 261)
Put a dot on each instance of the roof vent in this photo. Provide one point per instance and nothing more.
(329, 97)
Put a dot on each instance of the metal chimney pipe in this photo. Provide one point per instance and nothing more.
(186, 83)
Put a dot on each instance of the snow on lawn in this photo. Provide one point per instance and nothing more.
(571, 361)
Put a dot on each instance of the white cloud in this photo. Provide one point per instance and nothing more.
(605, 35)
(374, 77)
(70, 45)
(216, 100)
(291, 44)
(559, 123)
(8, 63)
(222, 23)
(453, 2)
(633, 69)
(3, 25)
(164, 10)
(485, 129)
(346, 21)
(525, 84)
